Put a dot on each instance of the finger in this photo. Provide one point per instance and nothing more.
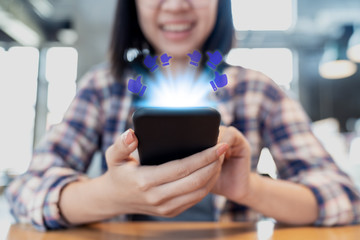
(123, 146)
(222, 130)
(182, 202)
(177, 169)
(229, 135)
(135, 155)
(237, 142)
(190, 183)
(173, 206)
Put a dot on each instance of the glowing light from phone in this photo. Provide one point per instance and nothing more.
(185, 90)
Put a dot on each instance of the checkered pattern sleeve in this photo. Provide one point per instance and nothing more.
(62, 157)
(302, 159)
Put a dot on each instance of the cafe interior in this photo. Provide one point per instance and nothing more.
(46, 46)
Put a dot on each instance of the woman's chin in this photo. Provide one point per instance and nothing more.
(180, 54)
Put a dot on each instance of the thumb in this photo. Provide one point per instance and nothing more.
(189, 54)
(138, 79)
(123, 146)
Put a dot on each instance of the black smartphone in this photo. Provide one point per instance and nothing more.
(167, 134)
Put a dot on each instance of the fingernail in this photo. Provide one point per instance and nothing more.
(222, 149)
(129, 137)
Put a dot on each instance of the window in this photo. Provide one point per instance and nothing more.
(276, 63)
(263, 14)
(18, 91)
(18, 85)
(61, 73)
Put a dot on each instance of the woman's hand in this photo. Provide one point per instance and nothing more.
(234, 180)
(272, 198)
(164, 190)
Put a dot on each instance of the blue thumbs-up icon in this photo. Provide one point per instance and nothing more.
(219, 81)
(195, 58)
(150, 62)
(214, 59)
(135, 86)
(165, 59)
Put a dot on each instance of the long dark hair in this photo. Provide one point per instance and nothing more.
(127, 35)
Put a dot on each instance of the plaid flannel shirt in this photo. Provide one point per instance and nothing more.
(251, 102)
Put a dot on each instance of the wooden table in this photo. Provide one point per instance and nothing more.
(177, 231)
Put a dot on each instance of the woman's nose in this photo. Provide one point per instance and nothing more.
(175, 5)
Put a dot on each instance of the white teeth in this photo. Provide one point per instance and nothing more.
(176, 27)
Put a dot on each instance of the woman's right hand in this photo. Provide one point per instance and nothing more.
(164, 190)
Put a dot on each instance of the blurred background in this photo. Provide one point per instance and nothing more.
(310, 48)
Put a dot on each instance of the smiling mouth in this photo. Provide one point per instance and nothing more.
(176, 28)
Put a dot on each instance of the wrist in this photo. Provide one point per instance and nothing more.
(252, 197)
(83, 202)
(114, 196)
(107, 195)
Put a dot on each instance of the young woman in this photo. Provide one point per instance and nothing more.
(55, 191)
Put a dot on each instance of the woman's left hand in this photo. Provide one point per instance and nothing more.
(234, 180)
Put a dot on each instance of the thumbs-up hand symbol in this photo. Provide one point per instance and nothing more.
(150, 62)
(135, 86)
(195, 58)
(165, 59)
(214, 59)
(220, 81)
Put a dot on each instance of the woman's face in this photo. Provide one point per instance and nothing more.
(176, 27)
